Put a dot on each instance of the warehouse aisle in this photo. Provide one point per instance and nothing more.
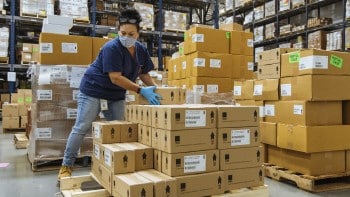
(17, 179)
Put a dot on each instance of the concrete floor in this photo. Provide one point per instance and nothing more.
(18, 180)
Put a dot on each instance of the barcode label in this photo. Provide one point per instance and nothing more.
(72, 113)
(198, 88)
(215, 63)
(69, 47)
(258, 89)
(97, 151)
(184, 65)
(195, 118)
(75, 95)
(250, 43)
(237, 90)
(298, 109)
(108, 159)
(198, 38)
(240, 137)
(44, 95)
(199, 62)
(313, 62)
(250, 66)
(212, 88)
(286, 89)
(43, 133)
(97, 131)
(46, 48)
(269, 110)
(194, 163)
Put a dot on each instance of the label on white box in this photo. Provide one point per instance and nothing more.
(194, 163)
(184, 65)
(44, 95)
(261, 111)
(198, 88)
(76, 76)
(75, 95)
(269, 110)
(97, 132)
(258, 89)
(240, 137)
(69, 47)
(215, 63)
(159, 77)
(72, 113)
(286, 89)
(298, 109)
(46, 48)
(313, 62)
(195, 118)
(199, 62)
(237, 90)
(130, 98)
(212, 88)
(43, 133)
(250, 43)
(25, 49)
(198, 38)
(97, 151)
(108, 158)
(251, 66)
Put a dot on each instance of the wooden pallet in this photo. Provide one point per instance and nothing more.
(4, 60)
(82, 20)
(298, 5)
(17, 130)
(307, 182)
(3, 12)
(28, 62)
(21, 141)
(74, 187)
(261, 191)
(48, 164)
(30, 15)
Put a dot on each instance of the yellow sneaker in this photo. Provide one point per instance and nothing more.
(65, 171)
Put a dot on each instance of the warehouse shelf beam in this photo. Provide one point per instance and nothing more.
(12, 44)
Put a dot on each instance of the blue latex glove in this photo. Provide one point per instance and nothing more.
(148, 93)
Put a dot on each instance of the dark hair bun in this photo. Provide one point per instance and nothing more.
(131, 13)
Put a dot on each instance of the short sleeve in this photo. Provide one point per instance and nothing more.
(112, 60)
(148, 65)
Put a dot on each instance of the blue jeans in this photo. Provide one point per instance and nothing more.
(88, 110)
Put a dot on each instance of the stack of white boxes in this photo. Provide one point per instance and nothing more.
(57, 24)
(77, 9)
(39, 8)
(4, 43)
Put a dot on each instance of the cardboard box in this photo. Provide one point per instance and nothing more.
(27, 47)
(5, 97)
(205, 40)
(65, 49)
(147, 114)
(237, 116)
(26, 57)
(237, 64)
(238, 137)
(184, 66)
(10, 110)
(266, 89)
(179, 164)
(304, 112)
(102, 174)
(302, 138)
(231, 27)
(273, 56)
(145, 135)
(143, 155)
(163, 185)
(315, 88)
(241, 43)
(309, 163)
(247, 67)
(268, 133)
(180, 117)
(260, 104)
(187, 141)
(271, 71)
(243, 90)
(97, 44)
(246, 177)
(106, 132)
(346, 112)
(201, 184)
(23, 121)
(17, 98)
(274, 155)
(169, 96)
(98, 150)
(157, 164)
(118, 159)
(209, 85)
(134, 184)
(237, 158)
(10, 122)
(203, 64)
(290, 64)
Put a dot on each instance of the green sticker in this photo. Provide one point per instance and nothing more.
(35, 50)
(294, 57)
(228, 35)
(181, 50)
(20, 100)
(28, 99)
(336, 61)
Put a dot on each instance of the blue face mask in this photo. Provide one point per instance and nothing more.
(127, 41)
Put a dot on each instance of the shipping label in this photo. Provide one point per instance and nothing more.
(313, 62)
(97, 131)
(250, 43)
(286, 89)
(72, 113)
(69, 47)
(130, 98)
(269, 110)
(46, 48)
(215, 63)
(212, 88)
(75, 95)
(240, 137)
(237, 90)
(194, 163)
(298, 109)
(199, 62)
(43, 133)
(261, 111)
(258, 89)
(44, 95)
(198, 38)
(251, 66)
(97, 151)
(195, 118)
(108, 158)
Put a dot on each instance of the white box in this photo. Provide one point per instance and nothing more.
(59, 20)
(56, 29)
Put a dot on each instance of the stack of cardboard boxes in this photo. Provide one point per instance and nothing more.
(39, 8)
(147, 14)
(169, 96)
(4, 43)
(30, 53)
(211, 58)
(54, 109)
(308, 103)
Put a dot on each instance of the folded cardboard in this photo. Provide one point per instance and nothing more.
(266, 89)
(246, 177)
(186, 141)
(271, 71)
(118, 159)
(205, 40)
(302, 138)
(260, 104)
(304, 112)
(237, 116)
(145, 135)
(157, 163)
(143, 155)
(315, 88)
(268, 133)
(243, 90)
(238, 137)
(203, 64)
(179, 164)
(201, 184)
(65, 49)
(209, 84)
(102, 174)
(163, 185)
(241, 43)
(237, 158)
(126, 185)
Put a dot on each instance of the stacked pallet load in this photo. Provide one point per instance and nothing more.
(205, 66)
(4, 44)
(78, 10)
(37, 8)
(30, 53)
(297, 120)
